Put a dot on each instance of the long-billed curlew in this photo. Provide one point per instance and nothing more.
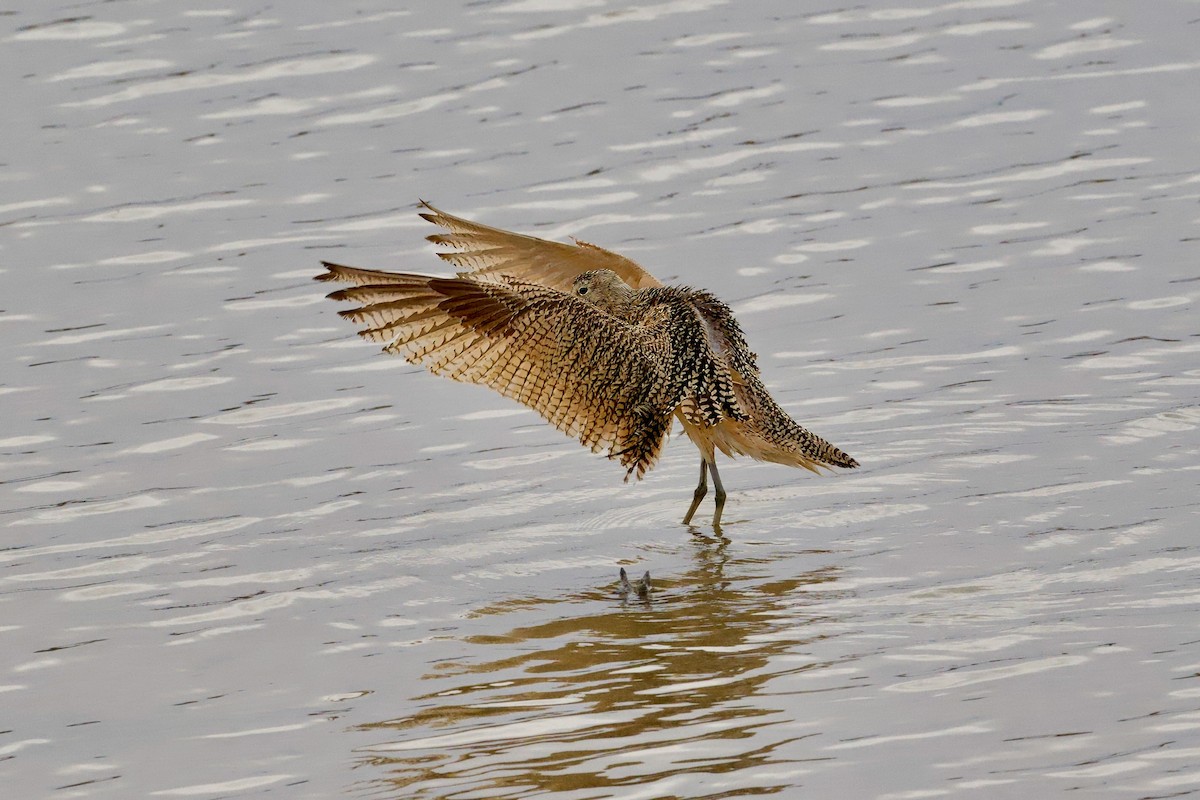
(589, 340)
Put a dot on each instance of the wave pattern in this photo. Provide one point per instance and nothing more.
(236, 558)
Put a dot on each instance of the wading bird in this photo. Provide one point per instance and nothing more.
(589, 340)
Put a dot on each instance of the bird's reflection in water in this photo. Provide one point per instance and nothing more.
(667, 693)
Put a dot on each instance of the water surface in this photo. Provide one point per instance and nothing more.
(244, 554)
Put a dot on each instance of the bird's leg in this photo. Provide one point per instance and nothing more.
(720, 495)
(701, 490)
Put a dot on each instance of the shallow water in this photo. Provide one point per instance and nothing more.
(245, 554)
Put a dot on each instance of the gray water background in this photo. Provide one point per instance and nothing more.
(243, 554)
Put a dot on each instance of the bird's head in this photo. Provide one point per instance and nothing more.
(603, 288)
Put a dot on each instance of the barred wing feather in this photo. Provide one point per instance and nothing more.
(486, 253)
(589, 374)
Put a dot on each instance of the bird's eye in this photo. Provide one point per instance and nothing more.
(583, 290)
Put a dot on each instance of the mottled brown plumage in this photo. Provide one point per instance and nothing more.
(590, 341)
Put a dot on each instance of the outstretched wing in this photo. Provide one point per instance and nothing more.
(589, 374)
(488, 253)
